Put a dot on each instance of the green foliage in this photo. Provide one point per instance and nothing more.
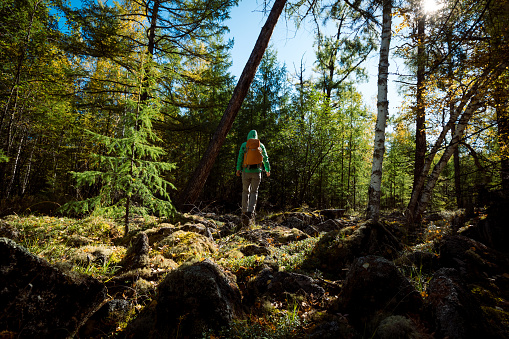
(419, 279)
(324, 154)
(276, 323)
(287, 257)
(71, 102)
(398, 167)
(36, 77)
(290, 257)
(3, 157)
(281, 324)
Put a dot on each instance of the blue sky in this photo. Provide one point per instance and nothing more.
(293, 45)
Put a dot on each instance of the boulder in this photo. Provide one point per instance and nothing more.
(473, 260)
(335, 213)
(137, 255)
(374, 284)
(289, 219)
(252, 249)
(181, 246)
(7, 231)
(274, 236)
(191, 300)
(398, 327)
(452, 309)
(426, 262)
(39, 301)
(328, 225)
(339, 248)
(279, 285)
(492, 231)
(106, 319)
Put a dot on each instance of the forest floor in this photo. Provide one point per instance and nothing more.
(96, 246)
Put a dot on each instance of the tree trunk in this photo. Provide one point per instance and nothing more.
(457, 173)
(15, 165)
(26, 176)
(151, 44)
(420, 119)
(373, 210)
(195, 185)
(502, 110)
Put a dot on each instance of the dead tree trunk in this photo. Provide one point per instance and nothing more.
(195, 185)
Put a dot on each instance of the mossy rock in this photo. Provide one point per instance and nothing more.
(283, 235)
(184, 218)
(306, 217)
(97, 254)
(336, 249)
(181, 246)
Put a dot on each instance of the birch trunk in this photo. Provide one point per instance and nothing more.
(26, 176)
(15, 166)
(195, 185)
(373, 210)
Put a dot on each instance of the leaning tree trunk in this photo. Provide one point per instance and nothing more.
(463, 112)
(449, 151)
(373, 210)
(195, 185)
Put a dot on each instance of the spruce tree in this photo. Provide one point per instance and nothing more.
(128, 171)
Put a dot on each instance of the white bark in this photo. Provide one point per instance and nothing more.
(15, 166)
(373, 210)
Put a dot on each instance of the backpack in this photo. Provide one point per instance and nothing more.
(253, 156)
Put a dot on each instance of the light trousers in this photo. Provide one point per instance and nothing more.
(250, 184)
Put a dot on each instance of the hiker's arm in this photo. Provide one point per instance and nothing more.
(240, 158)
(266, 163)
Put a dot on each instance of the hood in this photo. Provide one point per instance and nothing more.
(252, 135)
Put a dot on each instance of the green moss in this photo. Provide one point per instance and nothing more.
(181, 246)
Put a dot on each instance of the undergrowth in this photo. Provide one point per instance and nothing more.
(54, 239)
(276, 324)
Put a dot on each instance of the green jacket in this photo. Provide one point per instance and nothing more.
(240, 159)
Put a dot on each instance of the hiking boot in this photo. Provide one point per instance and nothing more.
(244, 219)
(251, 216)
